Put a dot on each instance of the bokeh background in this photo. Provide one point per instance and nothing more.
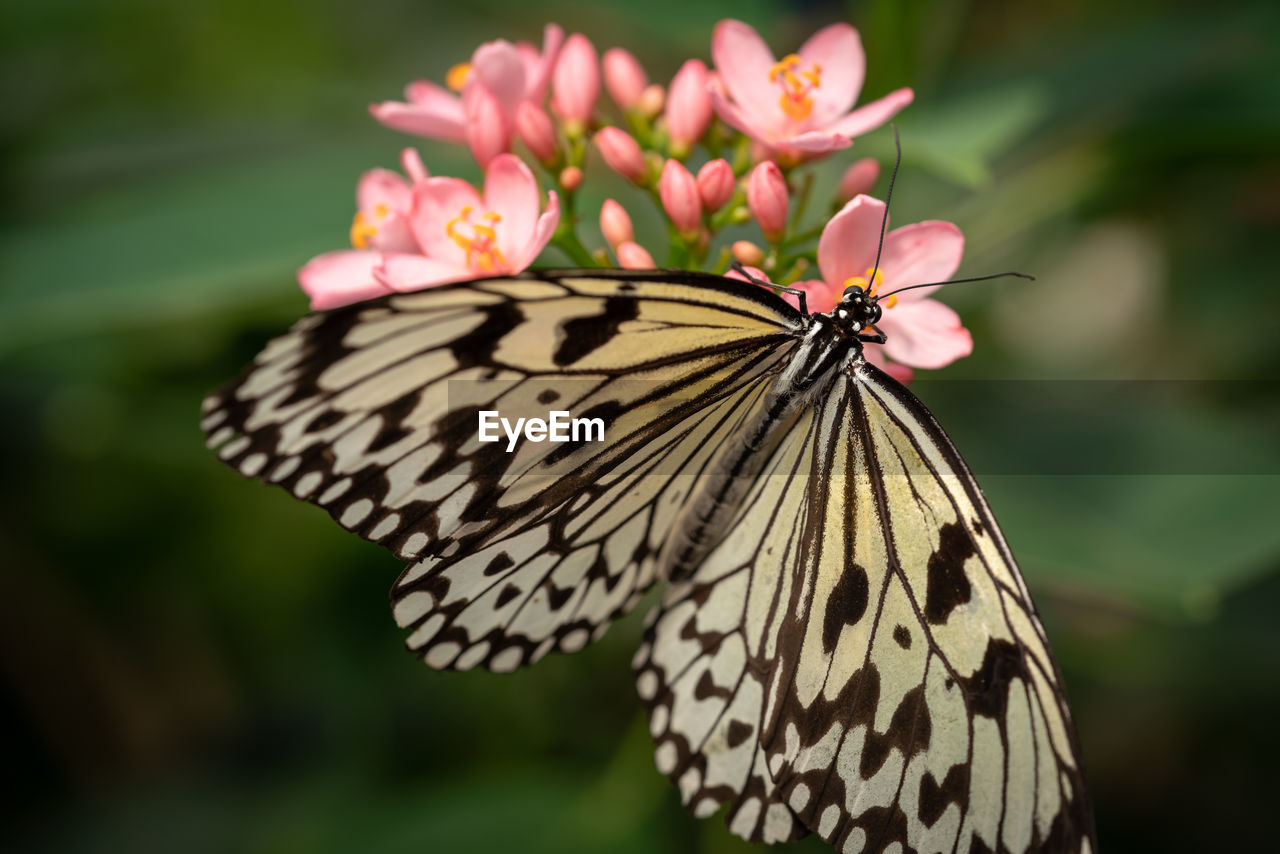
(195, 662)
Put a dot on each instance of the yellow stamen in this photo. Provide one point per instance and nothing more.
(797, 86)
(482, 242)
(380, 211)
(457, 76)
(870, 282)
(362, 232)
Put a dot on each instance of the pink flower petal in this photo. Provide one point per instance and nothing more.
(633, 256)
(421, 121)
(815, 141)
(411, 163)
(511, 191)
(925, 334)
(837, 50)
(383, 187)
(538, 73)
(923, 252)
(403, 272)
(848, 243)
(340, 278)
(734, 117)
(743, 61)
(436, 202)
(542, 232)
(820, 297)
(497, 67)
(871, 116)
(488, 129)
(901, 373)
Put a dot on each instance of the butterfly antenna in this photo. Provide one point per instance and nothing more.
(957, 282)
(884, 220)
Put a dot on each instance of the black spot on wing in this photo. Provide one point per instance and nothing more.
(935, 797)
(902, 636)
(738, 732)
(548, 395)
(847, 605)
(987, 690)
(581, 335)
(947, 587)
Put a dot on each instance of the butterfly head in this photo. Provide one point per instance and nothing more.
(857, 311)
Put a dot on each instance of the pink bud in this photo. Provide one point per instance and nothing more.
(622, 153)
(615, 224)
(575, 83)
(679, 193)
(570, 178)
(536, 131)
(411, 163)
(689, 105)
(632, 256)
(767, 199)
(487, 131)
(859, 178)
(715, 184)
(746, 252)
(623, 77)
(651, 101)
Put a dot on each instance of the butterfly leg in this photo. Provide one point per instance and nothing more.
(877, 338)
(782, 289)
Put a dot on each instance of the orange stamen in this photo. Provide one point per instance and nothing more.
(797, 86)
(362, 231)
(456, 78)
(481, 243)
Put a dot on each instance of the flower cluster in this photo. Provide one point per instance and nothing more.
(720, 150)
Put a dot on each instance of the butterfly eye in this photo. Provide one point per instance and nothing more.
(852, 291)
(876, 313)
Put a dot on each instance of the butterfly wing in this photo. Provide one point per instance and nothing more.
(371, 412)
(893, 684)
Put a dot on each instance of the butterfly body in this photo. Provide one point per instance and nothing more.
(845, 646)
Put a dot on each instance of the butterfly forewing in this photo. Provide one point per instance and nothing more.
(372, 413)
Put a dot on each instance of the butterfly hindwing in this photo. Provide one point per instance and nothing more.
(905, 692)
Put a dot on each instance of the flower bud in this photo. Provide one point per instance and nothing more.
(536, 131)
(651, 101)
(688, 107)
(679, 193)
(615, 224)
(632, 256)
(767, 199)
(624, 77)
(575, 83)
(861, 177)
(715, 184)
(622, 153)
(570, 178)
(746, 252)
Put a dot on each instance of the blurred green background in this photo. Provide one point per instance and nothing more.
(195, 662)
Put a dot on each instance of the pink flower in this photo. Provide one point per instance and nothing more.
(678, 191)
(384, 202)
(715, 184)
(575, 83)
(651, 101)
(624, 77)
(746, 252)
(570, 178)
(457, 235)
(920, 332)
(802, 103)
(498, 78)
(633, 256)
(688, 107)
(859, 178)
(622, 153)
(767, 199)
(615, 224)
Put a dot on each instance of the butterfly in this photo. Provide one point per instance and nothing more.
(845, 645)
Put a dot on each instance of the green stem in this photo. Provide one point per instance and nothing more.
(566, 240)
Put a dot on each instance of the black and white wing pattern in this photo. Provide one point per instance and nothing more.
(859, 657)
(371, 413)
